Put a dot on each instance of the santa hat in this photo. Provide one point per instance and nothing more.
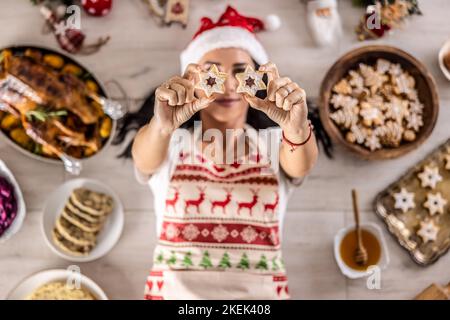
(232, 30)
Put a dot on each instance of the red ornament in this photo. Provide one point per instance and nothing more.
(98, 8)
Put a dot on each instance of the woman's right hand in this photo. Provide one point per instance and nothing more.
(175, 102)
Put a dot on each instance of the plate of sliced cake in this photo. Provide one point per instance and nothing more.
(82, 220)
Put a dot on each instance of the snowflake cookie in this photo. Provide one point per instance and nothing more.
(212, 81)
(430, 177)
(250, 81)
(428, 231)
(372, 142)
(435, 203)
(414, 121)
(342, 87)
(383, 66)
(371, 115)
(404, 200)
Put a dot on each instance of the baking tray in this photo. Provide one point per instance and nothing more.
(403, 226)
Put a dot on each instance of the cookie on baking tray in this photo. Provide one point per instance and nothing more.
(435, 203)
(428, 231)
(404, 200)
(429, 177)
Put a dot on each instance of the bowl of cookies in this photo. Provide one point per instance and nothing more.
(379, 101)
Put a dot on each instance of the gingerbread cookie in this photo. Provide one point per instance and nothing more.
(250, 81)
(409, 135)
(435, 203)
(344, 118)
(404, 200)
(390, 134)
(338, 100)
(403, 83)
(414, 121)
(395, 70)
(342, 87)
(383, 66)
(372, 141)
(428, 231)
(371, 115)
(356, 134)
(381, 99)
(372, 79)
(430, 177)
(397, 109)
(212, 81)
(416, 107)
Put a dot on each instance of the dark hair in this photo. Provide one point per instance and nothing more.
(133, 121)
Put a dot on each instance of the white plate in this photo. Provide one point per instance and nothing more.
(445, 48)
(39, 279)
(21, 210)
(108, 236)
(355, 274)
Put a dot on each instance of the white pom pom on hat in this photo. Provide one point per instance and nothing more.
(272, 22)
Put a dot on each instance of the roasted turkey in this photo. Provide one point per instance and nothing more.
(54, 107)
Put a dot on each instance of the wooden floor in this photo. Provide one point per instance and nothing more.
(317, 210)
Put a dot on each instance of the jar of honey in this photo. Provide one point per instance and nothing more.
(345, 245)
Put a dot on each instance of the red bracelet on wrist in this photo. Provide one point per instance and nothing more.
(296, 145)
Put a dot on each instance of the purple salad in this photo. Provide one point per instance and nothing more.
(8, 205)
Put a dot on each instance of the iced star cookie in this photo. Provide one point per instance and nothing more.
(435, 203)
(430, 177)
(212, 81)
(404, 200)
(250, 81)
(428, 231)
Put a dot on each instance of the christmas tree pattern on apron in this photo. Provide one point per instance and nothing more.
(220, 233)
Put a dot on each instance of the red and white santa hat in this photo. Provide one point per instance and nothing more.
(232, 30)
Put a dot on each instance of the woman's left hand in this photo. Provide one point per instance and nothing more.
(285, 104)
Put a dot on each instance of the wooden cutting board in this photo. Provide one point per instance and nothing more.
(435, 292)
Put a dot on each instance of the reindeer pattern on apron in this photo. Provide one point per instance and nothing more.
(220, 233)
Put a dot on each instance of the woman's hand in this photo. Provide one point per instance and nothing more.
(175, 102)
(285, 104)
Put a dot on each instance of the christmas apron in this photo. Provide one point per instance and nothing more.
(220, 233)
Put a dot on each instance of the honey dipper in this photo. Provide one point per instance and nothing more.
(360, 254)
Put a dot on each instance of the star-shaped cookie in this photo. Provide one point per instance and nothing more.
(430, 177)
(212, 81)
(428, 231)
(404, 200)
(435, 203)
(250, 81)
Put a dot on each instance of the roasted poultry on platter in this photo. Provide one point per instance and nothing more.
(48, 108)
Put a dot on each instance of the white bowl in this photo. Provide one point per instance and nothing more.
(107, 237)
(33, 282)
(445, 49)
(21, 209)
(352, 273)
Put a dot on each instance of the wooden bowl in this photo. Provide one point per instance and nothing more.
(425, 85)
